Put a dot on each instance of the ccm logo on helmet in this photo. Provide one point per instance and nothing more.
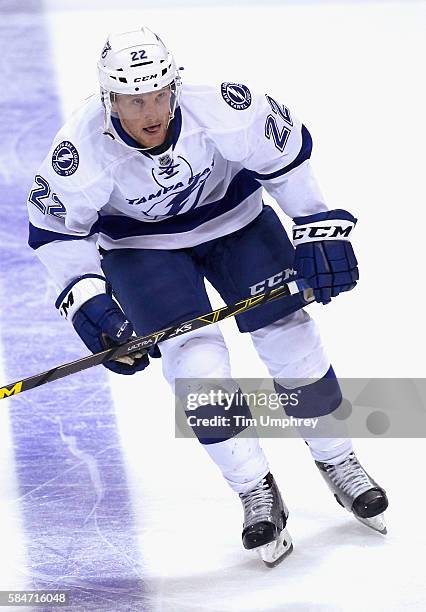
(145, 78)
(310, 233)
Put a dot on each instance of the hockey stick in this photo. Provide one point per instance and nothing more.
(145, 342)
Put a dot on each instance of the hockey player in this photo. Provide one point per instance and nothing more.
(154, 187)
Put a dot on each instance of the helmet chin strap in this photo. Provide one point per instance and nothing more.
(109, 128)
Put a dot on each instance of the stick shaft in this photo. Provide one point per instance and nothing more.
(145, 342)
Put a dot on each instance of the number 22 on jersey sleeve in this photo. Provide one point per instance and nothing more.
(43, 192)
(279, 136)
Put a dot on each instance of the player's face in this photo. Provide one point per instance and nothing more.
(145, 117)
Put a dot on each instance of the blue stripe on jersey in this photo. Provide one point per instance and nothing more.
(303, 155)
(118, 226)
(241, 187)
(38, 237)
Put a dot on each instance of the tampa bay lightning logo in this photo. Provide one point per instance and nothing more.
(180, 189)
(238, 96)
(65, 158)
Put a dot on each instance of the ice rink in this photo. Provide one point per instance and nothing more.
(97, 496)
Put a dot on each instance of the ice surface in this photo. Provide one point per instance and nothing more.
(97, 496)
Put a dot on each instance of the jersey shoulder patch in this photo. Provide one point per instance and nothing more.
(65, 158)
(77, 157)
(236, 95)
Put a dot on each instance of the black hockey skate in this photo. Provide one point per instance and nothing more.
(356, 491)
(265, 517)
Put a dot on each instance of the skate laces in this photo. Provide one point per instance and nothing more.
(258, 502)
(350, 476)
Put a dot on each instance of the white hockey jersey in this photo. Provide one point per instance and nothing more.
(228, 143)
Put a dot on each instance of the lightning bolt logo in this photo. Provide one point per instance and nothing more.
(65, 158)
(236, 95)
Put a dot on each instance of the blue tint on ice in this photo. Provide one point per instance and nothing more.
(78, 524)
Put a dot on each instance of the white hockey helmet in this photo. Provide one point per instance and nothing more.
(133, 63)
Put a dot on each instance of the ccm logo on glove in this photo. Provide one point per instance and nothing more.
(122, 329)
(78, 292)
(312, 232)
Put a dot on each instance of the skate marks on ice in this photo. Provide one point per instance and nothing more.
(76, 511)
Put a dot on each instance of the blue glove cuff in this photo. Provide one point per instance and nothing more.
(337, 213)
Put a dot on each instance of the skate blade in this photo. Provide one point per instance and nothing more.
(273, 553)
(377, 523)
